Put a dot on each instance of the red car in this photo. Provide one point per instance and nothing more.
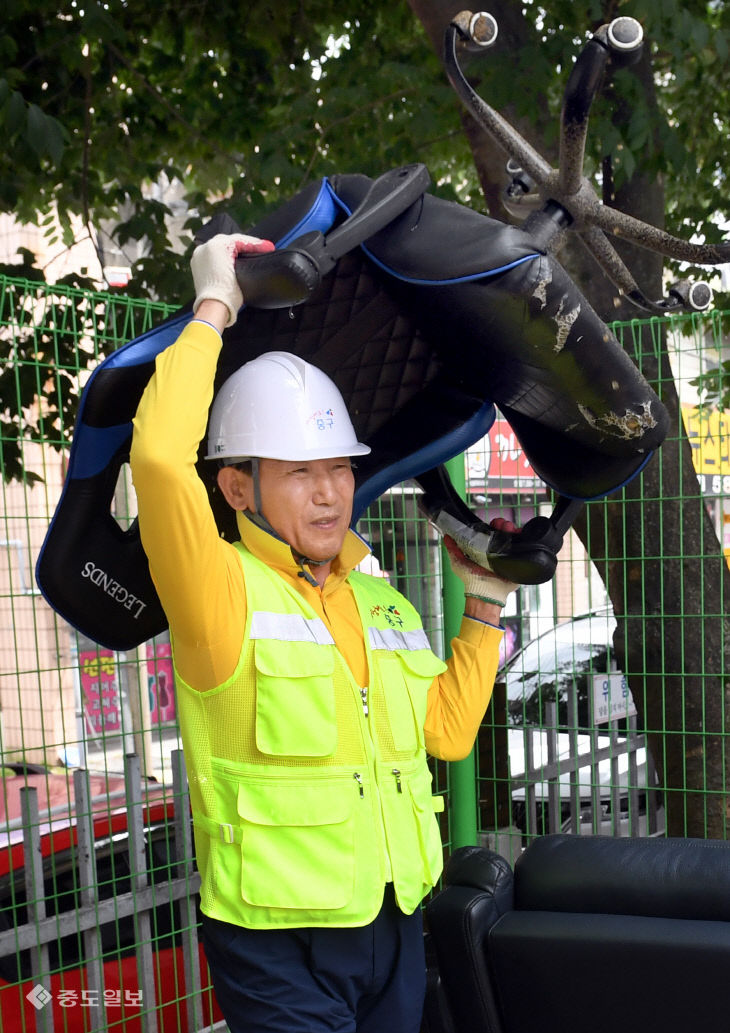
(76, 1008)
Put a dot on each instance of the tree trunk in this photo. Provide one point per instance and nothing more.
(653, 543)
(659, 556)
(663, 565)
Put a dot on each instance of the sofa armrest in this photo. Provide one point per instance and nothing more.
(478, 891)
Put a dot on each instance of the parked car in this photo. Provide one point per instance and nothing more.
(569, 734)
(65, 991)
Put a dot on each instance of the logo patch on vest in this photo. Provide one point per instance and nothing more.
(390, 614)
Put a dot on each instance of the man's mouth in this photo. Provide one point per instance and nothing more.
(325, 522)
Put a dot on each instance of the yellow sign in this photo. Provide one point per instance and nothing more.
(709, 438)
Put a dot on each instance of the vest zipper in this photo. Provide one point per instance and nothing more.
(364, 698)
(396, 773)
(358, 778)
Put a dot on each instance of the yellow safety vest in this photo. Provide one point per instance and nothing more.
(307, 791)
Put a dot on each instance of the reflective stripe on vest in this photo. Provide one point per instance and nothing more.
(392, 639)
(289, 627)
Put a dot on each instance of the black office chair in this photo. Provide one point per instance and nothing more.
(427, 315)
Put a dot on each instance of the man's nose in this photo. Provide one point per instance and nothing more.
(324, 488)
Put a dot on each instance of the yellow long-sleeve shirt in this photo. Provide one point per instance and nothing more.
(198, 576)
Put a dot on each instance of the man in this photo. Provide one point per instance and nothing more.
(307, 692)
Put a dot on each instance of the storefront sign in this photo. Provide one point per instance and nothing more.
(709, 438)
(100, 689)
(161, 683)
(497, 463)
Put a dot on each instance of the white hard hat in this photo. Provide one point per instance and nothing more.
(280, 407)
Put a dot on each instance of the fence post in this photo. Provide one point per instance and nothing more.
(139, 876)
(36, 903)
(89, 887)
(462, 773)
(188, 919)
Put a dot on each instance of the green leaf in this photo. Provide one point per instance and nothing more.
(15, 117)
(56, 139)
(36, 129)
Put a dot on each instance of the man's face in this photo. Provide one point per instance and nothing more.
(308, 504)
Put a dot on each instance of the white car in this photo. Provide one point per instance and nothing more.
(576, 760)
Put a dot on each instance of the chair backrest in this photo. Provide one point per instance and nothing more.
(604, 934)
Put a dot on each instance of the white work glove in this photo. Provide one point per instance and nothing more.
(214, 273)
(478, 581)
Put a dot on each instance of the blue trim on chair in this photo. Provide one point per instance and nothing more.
(319, 217)
(467, 278)
(96, 446)
(93, 447)
(423, 459)
(146, 347)
(603, 494)
(456, 279)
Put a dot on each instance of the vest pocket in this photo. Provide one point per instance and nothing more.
(414, 840)
(297, 844)
(295, 699)
(424, 805)
(407, 677)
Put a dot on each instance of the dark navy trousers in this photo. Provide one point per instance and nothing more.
(366, 980)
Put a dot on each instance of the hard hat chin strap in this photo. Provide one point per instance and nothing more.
(256, 486)
(258, 518)
(306, 574)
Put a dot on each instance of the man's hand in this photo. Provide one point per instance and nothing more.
(479, 582)
(214, 274)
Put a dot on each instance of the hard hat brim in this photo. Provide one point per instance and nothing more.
(295, 455)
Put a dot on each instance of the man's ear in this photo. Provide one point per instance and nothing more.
(237, 487)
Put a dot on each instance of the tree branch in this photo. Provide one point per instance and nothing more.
(237, 159)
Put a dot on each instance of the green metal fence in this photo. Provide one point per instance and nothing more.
(610, 714)
(616, 720)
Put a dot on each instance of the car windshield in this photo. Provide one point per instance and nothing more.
(555, 665)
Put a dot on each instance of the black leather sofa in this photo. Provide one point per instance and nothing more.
(588, 934)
